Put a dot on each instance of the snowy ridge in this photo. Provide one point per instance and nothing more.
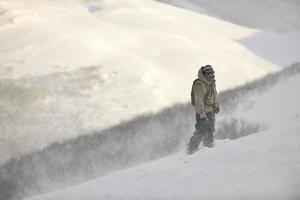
(261, 166)
(82, 66)
(144, 139)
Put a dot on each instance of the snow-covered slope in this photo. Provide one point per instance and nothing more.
(70, 67)
(265, 165)
(278, 21)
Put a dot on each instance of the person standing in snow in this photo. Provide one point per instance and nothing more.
(204, 99)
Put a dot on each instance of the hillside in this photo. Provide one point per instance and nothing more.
(83, 66)
(150, 137)
(264, 165)
(91, 87)
(277, 24)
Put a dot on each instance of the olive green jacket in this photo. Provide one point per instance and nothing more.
(205, 95)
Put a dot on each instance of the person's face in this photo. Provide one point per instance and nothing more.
(209, 74)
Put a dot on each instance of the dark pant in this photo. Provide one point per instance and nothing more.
(204, 131)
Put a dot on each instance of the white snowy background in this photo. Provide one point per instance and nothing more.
(72, 69)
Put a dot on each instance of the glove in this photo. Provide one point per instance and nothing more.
(203, 119)
(216, 109)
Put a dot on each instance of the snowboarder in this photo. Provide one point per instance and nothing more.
(204, 99)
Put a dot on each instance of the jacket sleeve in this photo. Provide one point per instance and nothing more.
(199, 95)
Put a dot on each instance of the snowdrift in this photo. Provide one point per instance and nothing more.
(155, 136)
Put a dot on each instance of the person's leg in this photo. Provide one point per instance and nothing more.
(196, 138)
(209, 134)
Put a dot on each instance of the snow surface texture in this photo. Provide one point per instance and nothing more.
(68, 68)
(261, 166)
(270, 15)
